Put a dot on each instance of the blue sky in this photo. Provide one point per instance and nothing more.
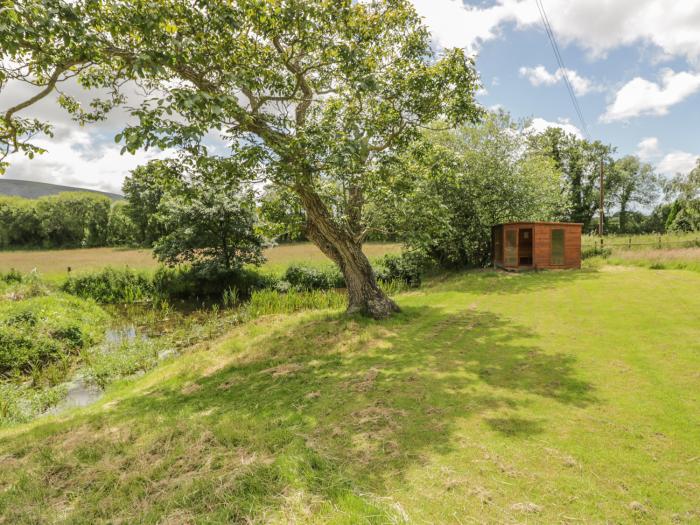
(634, 63)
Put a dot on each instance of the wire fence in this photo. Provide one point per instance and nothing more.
(603, 244)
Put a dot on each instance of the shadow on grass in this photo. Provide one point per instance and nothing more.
(490, 281)
(329, 407)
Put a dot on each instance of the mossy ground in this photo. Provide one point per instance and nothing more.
(549, 397)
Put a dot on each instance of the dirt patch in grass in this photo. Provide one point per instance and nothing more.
(283, 370)
(191, 388)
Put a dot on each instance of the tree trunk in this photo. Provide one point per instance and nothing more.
(364, 295)
(623, 218)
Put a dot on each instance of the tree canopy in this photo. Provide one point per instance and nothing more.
(580, 161)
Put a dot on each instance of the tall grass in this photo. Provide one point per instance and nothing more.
(266, 302)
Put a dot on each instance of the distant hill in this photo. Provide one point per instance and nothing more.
(33, 190)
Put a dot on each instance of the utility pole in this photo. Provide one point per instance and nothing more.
(601, 216)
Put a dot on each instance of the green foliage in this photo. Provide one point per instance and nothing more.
(144, 189)
(408, 267)
(36, 331)
(210, 223)
(450, 409)
(303, 277)
(123, 359)
(579, 161)
(127, 286)
(111, 285)
(318, 94)
(208, 283)
(454, 185)
(74, 219)
(281, 214)
(19, 223)
(633, 183)
(20, 403)
(71, 219)
(13, 276)
(121, 229)
(589, 252)
(684, 189)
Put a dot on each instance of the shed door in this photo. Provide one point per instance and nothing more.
(557, 255)
(525, 247)
(511, 247)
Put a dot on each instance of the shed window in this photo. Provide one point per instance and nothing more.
(511, 251)
(558, 247)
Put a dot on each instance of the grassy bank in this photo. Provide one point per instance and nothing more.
(546, 398)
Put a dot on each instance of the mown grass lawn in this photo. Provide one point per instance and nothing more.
(556, 397)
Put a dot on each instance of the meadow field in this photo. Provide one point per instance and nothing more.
(55, 263)
(550, 397)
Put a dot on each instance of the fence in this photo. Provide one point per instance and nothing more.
(600, 245)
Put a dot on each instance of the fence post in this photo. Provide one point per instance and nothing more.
(630, 243)
(659, 241)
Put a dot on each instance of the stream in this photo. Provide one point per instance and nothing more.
(130, 322)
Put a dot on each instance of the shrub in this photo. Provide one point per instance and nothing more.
(13, 276)
(125, 286)
(208, 282)
(595, 251)
(22, 349)
(407, 267)
(309, 278)
(111, 286)
(41, 330)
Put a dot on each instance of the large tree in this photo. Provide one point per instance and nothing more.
(684, 191)
(144, 188)
(318, 92)
(580, 161)
(634, 182)
(210, 220)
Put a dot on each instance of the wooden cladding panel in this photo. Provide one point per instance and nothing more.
(543, 246)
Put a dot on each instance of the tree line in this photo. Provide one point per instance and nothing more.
(444, 194)
(66, 220)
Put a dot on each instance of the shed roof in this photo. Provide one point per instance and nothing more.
(532, 223)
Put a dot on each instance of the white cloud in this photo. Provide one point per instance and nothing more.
(540, 76)
(648, 148)
(595, 25)
(454, 24)
(642, 97)
(76, 157)
(539, 124)
(677, 162)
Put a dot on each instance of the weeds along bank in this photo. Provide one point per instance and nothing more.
(100, 327)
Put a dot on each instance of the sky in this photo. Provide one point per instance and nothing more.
(633, 64)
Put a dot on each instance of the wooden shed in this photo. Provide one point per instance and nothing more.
(536, 245)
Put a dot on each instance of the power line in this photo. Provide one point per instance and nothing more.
(562, 66)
